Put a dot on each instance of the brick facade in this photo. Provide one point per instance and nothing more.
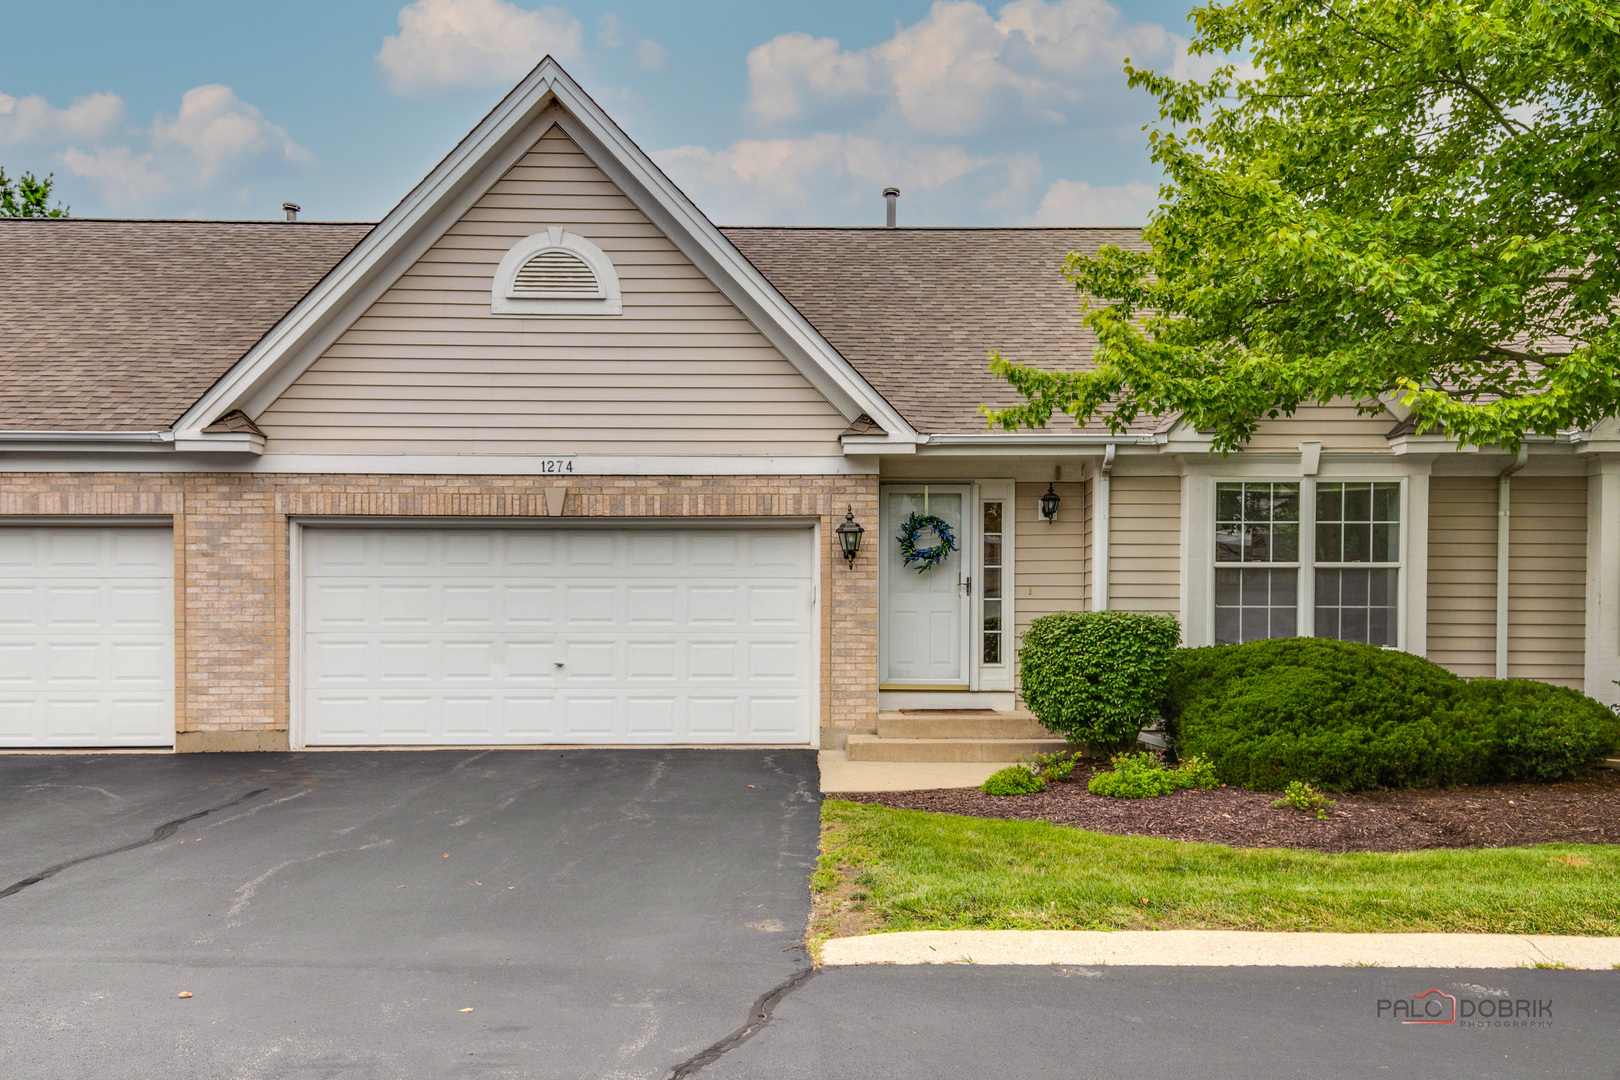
(232, 566)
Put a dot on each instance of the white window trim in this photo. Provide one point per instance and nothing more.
(1412, 582)
(556, 238)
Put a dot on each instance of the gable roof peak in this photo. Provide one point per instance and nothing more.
(547, 97)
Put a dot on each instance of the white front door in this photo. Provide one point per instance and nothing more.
(86, 636)
(924, 617)
(558, 635)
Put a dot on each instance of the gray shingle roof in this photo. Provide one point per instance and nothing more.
(917, 310)
(122, 325)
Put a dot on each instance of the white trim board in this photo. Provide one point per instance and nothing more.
(546, 97)
(444, 464)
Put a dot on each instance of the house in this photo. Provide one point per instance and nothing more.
(546, 457)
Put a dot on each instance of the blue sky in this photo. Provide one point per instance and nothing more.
(982, 114)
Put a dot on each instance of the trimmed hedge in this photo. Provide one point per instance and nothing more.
(1345, 717)
(1097, 676)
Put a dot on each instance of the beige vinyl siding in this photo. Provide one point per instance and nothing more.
(1051, 559)
(429, 369)
(1462, 574)
(1336, 426)
(1547, 580)
(1144, 544)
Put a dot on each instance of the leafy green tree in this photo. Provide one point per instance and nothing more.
(28, 197)
(1413, 200)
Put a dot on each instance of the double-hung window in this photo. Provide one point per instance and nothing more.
(1351, 561)
(1358, 562)
(1256, 561)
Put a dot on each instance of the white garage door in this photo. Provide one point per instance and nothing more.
(461, 636)
(86, 637)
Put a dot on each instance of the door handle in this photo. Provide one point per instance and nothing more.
(965, 583)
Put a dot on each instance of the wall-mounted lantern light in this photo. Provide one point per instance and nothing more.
(1049, 504)
(849, 537)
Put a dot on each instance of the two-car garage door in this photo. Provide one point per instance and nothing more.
(583, 635)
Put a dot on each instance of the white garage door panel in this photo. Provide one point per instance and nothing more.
(86, 637)
(525, 636)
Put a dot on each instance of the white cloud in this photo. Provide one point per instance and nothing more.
(821, 178)
(217, 132)
(32, 120)
(612, 33)
(215, 142)
(470, 44)
(959, 70)
(1076, 202)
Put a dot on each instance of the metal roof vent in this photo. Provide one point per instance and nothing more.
(892, 194)
(291, 209)
(556, 273)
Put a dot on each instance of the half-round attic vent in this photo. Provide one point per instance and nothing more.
(556, 273)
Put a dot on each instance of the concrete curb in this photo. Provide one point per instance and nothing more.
(1222, 948)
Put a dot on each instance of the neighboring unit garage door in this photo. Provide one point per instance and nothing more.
(86, 636)
(549, 635)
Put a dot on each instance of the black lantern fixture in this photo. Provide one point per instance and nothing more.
(849, 537)
(1049, 504)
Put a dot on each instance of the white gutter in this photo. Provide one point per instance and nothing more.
(1099, 536)
(60, 437)
(1504, 494)
(998, 439)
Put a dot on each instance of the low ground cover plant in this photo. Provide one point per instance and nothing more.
(1304, 798)
(1013, 780)
(1145, 776)
(1096, 677)
(1346, 717)
(1030, 775)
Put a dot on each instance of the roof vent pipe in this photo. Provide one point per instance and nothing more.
(892, 194)
(292, 209)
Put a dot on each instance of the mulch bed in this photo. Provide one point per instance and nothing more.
(1584, 811)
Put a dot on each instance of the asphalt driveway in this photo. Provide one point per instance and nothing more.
(399, 915)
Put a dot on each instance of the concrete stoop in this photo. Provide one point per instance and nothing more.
(953, 735)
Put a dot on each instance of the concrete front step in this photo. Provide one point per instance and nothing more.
(877, 748)
(959, 724)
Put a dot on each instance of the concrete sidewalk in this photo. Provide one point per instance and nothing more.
(1223, 948)
(838, 773)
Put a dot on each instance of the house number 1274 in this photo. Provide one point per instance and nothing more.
(557, 465)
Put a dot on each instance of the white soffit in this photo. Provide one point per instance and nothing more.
(547, 96)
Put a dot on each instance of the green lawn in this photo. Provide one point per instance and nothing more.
(884, 869)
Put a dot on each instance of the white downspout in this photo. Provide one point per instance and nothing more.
(1504, 519)
(1099, 559)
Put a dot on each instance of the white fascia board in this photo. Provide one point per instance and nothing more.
(877, 444)
(458, 182)
(227, 442)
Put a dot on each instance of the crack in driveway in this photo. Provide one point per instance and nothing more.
(162, 832)
(758, 1017)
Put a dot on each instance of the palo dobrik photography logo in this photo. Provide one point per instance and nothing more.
(1433, 1006)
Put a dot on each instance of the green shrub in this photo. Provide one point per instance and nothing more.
(1533, 730)
(1304, 798)
(1096, 677)
(1346, 717)
(1144, 776)
(1051, 767)
(1013, 780)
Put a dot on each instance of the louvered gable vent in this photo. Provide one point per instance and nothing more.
(556, 274)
